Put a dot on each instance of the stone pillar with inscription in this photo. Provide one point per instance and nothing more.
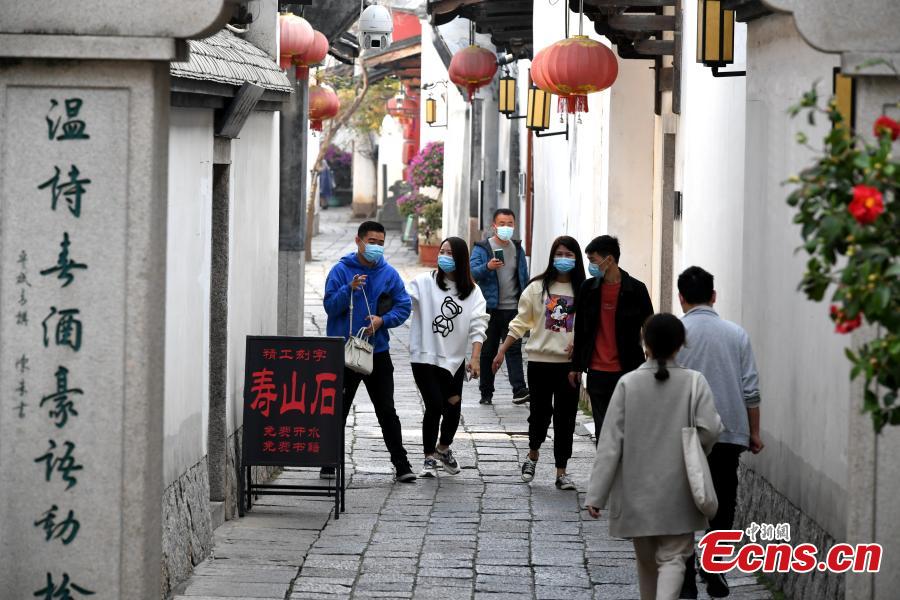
(83, 154)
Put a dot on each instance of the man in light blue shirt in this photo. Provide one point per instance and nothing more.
(721, 351)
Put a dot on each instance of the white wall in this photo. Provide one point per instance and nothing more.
(187, 289)
(803, 372)
(710, 169)
(390, 154)
(253, 268)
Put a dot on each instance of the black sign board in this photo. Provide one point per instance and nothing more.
(293, 411)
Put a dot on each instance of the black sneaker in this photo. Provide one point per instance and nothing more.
(405, 474)
(716, 586)
(327, 473)
(522, 396)
(564, 482)
(486, 400)
(528, 469)
(449, 462)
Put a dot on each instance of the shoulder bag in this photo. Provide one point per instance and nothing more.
(358, 351)
(695, 462)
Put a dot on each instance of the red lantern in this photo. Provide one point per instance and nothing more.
(472, 68)
(403, 108)
(315, 54)
(576, 67)
(323, 104)
(295, 37)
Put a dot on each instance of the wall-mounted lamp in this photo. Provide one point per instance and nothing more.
(715, 37)
(507, 101)
(537, 118)
(844, 90)
(431, 104)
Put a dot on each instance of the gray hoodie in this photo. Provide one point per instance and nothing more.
(721, 351)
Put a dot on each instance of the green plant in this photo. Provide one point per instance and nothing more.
(849, 214)
(413, 203)
(431, 221)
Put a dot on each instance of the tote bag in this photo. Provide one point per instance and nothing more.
(358, 351)
(695, 462)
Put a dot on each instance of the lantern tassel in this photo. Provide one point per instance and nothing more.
(315, 125)
(581, 103)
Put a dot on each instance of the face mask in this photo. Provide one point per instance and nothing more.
(596, 271)
(373, 253)
(563, 264)
(505, 233)
(446, 263)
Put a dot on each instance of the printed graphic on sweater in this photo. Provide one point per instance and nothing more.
(560, 313)
(443, 323)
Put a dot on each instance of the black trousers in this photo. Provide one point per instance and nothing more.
(723, 466)
(380, 385)
(600, 387)
(552, 397)
(498, 328)
(437, 387)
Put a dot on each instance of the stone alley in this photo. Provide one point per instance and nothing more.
(480, 534)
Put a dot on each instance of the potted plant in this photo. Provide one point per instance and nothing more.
(430, 221)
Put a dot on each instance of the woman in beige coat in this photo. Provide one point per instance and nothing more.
(640, 468)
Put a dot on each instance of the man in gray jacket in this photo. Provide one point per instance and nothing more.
(721, 351)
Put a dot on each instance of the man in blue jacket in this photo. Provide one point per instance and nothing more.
(499, 268)
(380, 302)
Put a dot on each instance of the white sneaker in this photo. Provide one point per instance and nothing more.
(429, 469)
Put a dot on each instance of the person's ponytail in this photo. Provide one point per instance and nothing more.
(662, 373)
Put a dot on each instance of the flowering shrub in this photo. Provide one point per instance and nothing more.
(337, 158)
(430, 222)
(413, 203)
(427, 167)
(849, 214)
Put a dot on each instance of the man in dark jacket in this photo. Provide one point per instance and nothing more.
(367, 278)
(499, 268)
(610, 312)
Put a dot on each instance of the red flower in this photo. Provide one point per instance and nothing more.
(884, 123)
(842, 323)
(867, 204)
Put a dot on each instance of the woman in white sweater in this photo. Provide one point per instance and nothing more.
(449, 315)
(547, 310)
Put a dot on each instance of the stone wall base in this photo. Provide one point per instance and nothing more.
(187, 536)
(758, 501)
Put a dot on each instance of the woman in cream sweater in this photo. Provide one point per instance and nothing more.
(547, 310)
(449, 316)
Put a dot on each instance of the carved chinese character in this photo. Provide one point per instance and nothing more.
(73, 129)
(63, 592)
(68, 328)
(72, 189)
(65, 531)
(64, 464)
(64, 265)
(64, 405)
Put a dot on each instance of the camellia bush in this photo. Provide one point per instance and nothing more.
(413, 203)
(849, 214)
(426, 169)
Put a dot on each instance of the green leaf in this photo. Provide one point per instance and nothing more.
(893, 270)
(882, 297)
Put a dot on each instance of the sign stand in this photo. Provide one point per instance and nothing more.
(293, 414)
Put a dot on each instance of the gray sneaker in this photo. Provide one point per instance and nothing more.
(449, 462)
(564, 482)
(429, 469)
(528, 469)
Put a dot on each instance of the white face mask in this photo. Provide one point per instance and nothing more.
(505, 232)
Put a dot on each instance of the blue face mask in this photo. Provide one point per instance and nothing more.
(596, 271)
(446, 263)
(373, 253)
(505, 232)
(563, 264)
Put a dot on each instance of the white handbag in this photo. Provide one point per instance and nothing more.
(358, 351)
(695, 462)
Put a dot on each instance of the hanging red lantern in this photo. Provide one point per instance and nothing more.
(315, 54)
(403, 108)
(473, 68)
(576, 67)
(295, 36)
(323, 104)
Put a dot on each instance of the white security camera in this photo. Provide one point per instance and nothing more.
(375, 27)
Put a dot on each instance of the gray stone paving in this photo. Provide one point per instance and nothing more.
(481, 534)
